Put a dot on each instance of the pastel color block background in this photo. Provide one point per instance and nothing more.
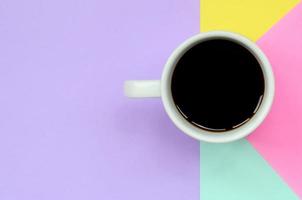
(235, 171)
(66, 129)
(279, 139)
(249, 17)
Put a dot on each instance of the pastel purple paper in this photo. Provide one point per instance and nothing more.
(66, 130)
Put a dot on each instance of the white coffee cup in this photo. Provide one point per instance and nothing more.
(162, 88)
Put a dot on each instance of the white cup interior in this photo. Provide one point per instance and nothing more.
(202, 134)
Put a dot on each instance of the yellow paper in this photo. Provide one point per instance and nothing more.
(251, 18)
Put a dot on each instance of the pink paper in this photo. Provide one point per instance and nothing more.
(279, 138)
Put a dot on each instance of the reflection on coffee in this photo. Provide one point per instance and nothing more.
(217, 85)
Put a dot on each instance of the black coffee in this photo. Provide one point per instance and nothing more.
(217, 85)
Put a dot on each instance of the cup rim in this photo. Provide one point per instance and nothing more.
(202, 134)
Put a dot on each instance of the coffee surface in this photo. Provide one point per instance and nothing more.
(217, 85)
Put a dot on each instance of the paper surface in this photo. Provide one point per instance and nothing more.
(279, 140)
(235, 171)
(252, 19)
(67, 132)
(249, 17)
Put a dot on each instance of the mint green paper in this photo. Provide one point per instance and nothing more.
(235, 171)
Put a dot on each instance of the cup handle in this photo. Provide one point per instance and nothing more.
(142, 88)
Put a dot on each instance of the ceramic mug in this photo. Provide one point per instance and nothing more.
(162, 88)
